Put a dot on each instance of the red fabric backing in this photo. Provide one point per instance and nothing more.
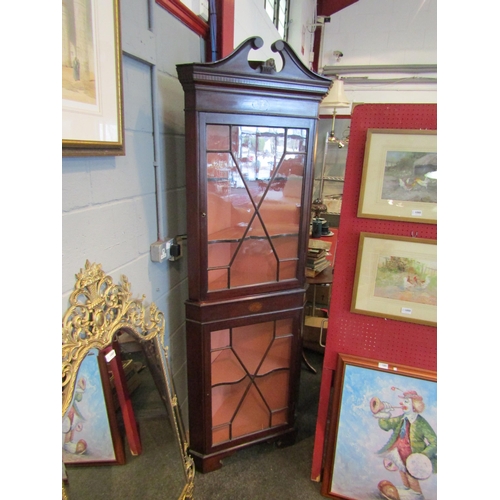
(387, 340)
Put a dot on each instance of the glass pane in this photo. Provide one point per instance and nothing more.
(255, 262)
(270, 8)
(288, 270)
(220, 254)
(281, 208)
(279, 418)
(258, 151)
(252, 416)
(278, 356)
(250, 376)
(218, 137)
(219, 339)
(225, 401)
(254, 194)
(218, 279)
(221, 434)
(274, 388)
(284, 327)
(296, 140)
(251, 342)
(286, 246)
(226, 368)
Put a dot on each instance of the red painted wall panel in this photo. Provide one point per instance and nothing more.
(387, 340)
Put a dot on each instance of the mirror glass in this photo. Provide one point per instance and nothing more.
(101, 459)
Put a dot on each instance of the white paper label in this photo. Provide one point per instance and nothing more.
(416, 213)
(406, 310)
(383, 365)
(111, 354)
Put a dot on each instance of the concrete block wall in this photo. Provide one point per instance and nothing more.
(109, 203)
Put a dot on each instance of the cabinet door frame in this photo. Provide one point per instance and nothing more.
(198, 202)
(199, 355)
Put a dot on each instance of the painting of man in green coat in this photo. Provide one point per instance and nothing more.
(411, 448)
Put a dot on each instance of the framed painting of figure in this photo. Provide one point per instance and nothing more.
(382, 436)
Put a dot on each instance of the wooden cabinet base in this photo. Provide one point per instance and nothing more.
(214, 461)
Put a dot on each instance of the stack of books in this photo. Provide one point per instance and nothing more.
(316, 258)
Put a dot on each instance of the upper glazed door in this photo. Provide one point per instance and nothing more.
(255, 173)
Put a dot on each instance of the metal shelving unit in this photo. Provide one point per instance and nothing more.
(329, 168)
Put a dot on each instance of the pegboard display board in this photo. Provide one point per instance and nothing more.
(387, 340)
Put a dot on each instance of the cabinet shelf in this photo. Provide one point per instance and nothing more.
(330, 178)
(234, 234)
(255, 360)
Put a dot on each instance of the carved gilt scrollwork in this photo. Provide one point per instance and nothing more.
(98, 310)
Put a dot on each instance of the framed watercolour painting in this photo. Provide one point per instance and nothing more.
(396, 278)
(399, 180)
(382, 436)
(92, 114)
(90, 433)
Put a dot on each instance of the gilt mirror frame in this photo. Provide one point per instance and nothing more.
(99, 309)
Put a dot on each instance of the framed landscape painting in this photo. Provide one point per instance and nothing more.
(396, 278)
(92, 114)
(399, 180)
(382, 435)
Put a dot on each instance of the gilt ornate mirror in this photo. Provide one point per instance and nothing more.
(99, 311)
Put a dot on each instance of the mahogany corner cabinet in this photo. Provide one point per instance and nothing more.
(250, 139)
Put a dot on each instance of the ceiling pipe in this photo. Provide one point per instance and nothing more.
(213, 30)
(380, 68)
(158, 164)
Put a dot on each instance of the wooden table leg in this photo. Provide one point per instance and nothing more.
(306, 361)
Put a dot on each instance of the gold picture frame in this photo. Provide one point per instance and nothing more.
(399, 180)
(396, 278)
(92, 103)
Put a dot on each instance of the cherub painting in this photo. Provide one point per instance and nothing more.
(86, 433)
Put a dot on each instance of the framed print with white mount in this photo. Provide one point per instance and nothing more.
(92, 110)
(399, 180)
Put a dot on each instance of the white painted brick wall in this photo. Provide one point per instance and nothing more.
(108, 203)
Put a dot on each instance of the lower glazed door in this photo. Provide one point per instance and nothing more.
(253, 376)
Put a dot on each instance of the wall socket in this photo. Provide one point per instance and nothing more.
(160, 250)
